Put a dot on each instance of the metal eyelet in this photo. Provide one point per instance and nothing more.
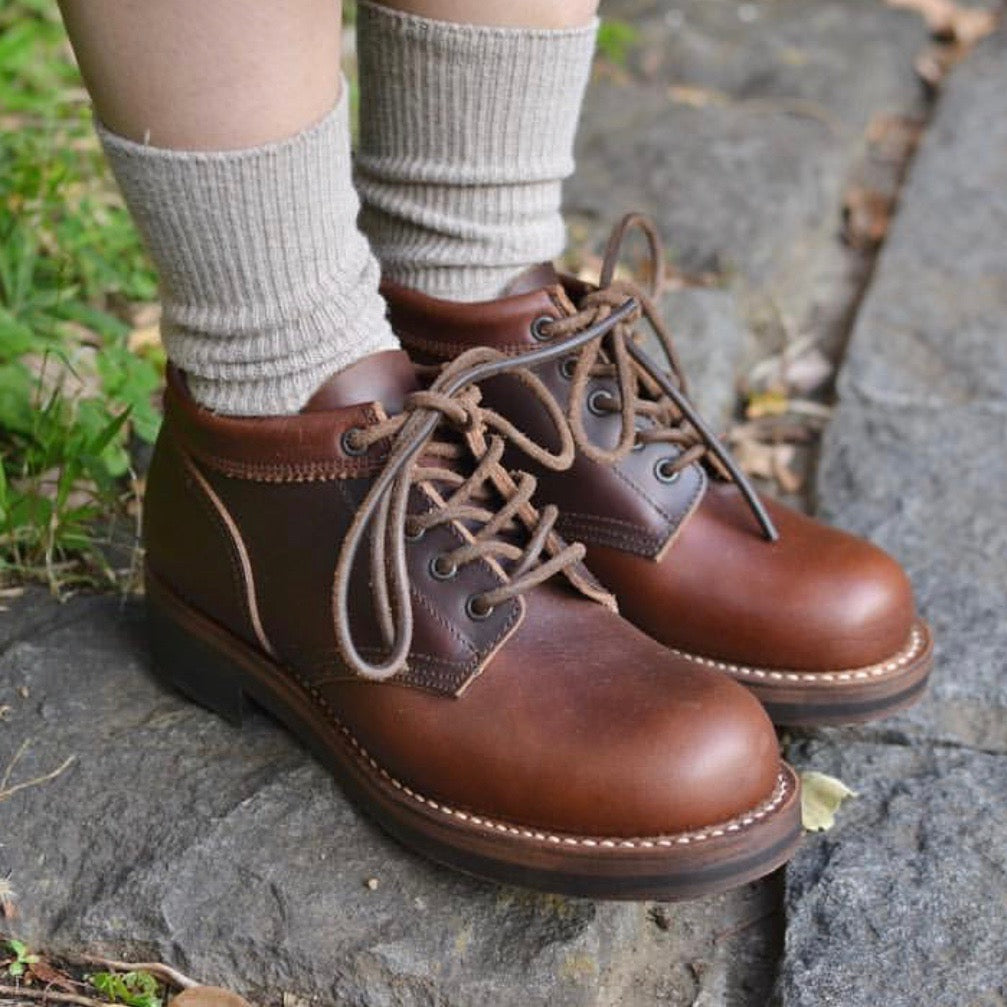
(477, 609)
(567, 366)
(347, 442)
(538, 328)
(413, 536)
(663, 471)
(441, 568)
(594, 400)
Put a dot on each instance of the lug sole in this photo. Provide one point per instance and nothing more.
(216, 669)
(853, 696)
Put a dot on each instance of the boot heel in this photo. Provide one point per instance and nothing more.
(193, 666)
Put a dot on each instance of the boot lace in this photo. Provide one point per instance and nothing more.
(439, 431)
(652, 401)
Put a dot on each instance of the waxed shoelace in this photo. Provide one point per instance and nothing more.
(418, 456)
(664, 407)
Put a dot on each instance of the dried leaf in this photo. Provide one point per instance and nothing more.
(696, 97)
(49, 976)
(755, 458)
(144, 338)
(768, 403)
(208, 996)
(787, 479)
(893, 138)
(821, 797)
(866, 216)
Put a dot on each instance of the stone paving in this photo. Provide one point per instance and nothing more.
(232, 855)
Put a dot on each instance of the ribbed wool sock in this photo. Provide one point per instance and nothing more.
(466, 134)
(267, 285)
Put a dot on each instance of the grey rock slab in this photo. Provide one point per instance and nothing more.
(930, 486)
(715, 345)
(744, 166)
(233, 855)
(933, 328)
(903, 902)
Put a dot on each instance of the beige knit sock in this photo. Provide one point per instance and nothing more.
(267, 285)
(466, 134)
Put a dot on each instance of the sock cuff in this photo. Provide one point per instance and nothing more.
(458, 104)
(267, 285)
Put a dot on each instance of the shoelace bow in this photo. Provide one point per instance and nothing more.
(419, 456)
(653, 403)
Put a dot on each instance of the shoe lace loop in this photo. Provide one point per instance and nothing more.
(437, 427)
(652, 401)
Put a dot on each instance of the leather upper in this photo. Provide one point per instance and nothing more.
(686, 559)
(553, 711)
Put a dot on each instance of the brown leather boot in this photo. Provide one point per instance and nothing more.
(819, 624)
(369, 573)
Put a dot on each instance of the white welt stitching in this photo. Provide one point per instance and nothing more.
(780, 791)
(894, 664)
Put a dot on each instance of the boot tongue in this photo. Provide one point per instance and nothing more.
(534, 278)
(386, 377)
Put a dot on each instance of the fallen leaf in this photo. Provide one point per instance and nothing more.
(782, 459)
(696, 97)
(771, 402)
(821, 797)
(208, 996)
(893, 138)
(755, 458)
(866, 216)
(144, 338)
(49, 976)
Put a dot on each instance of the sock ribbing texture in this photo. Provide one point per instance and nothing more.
(267, 285)
(466, 134)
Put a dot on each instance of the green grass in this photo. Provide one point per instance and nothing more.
(73, 396)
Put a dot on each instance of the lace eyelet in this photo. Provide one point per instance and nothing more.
(638, 446)
(349, 448)
(441, 568)
(477, 609)
(664, 472)
(567, 366)
(414, 535)
(595, 399)
(538, 328)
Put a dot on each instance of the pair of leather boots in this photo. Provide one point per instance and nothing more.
(517, 596)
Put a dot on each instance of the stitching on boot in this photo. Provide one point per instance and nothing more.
(915, 646)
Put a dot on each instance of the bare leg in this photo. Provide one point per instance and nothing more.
(503, 13)
(198, 75)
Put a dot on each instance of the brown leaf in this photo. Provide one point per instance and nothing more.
(145, 337)
(696, 97)
(866, 216)
(782, 459)
(49, 976)
(893, 138)
(208, 996)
